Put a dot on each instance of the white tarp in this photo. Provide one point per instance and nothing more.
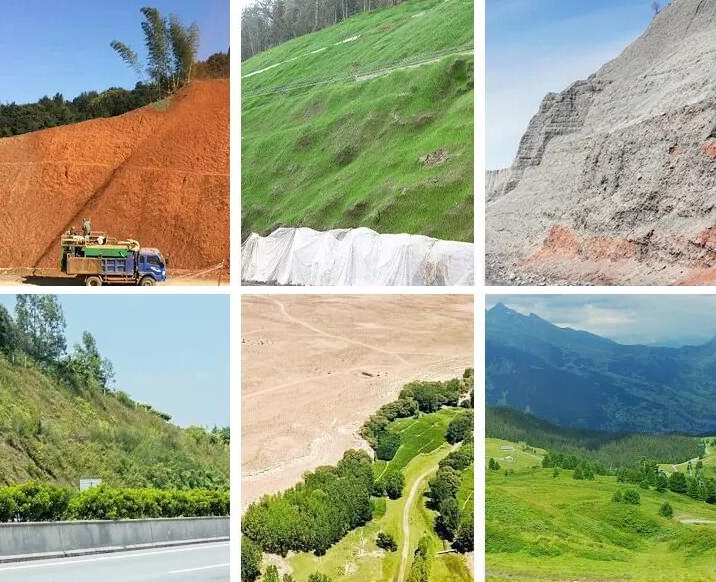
(360, 256)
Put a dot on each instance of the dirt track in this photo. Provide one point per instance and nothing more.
(159, 174)
(315, 367)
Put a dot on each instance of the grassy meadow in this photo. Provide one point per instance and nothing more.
(347, 152)
(554, 528)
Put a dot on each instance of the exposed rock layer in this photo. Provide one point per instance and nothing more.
(615, 179)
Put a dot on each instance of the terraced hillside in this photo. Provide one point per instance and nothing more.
(366, 123)
(544, 525)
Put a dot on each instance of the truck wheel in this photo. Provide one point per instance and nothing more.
(147, 281)
(93, 282)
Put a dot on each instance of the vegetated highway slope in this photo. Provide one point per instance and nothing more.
(575, 378)
(51, 432)
(542, 527)
(159, 174)
(614, 178)
(366, 123)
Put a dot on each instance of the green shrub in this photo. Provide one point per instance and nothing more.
(386, 541)
(44, 502)
(394, 484)
(632, 496)
(666, 510)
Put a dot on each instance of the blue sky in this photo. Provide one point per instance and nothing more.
(540, 46)
(170, 351)
(50, 46)
(670, 320)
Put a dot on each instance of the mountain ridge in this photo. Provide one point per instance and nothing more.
(578, 379)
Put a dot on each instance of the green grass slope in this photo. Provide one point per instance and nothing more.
(50, 433)
(334, 133)
(540, 527)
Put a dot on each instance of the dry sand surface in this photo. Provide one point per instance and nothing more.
(315, 367)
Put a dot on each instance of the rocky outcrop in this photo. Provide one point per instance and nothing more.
(625, 160)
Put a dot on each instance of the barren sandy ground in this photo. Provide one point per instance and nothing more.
(315, 367)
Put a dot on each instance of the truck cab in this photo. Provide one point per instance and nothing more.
(151, 267)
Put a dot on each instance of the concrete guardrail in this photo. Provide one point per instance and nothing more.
(34, 541)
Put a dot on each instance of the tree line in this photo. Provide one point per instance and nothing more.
(268, 23)
(610, 449)
(57, 111)
(316, 513)
(36, 501)
(452, 523)
(646, 473)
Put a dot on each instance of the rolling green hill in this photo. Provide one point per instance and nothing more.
(51, 432)
(366, 123)
(541, 527)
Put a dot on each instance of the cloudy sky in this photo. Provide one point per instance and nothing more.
(540, 46)
(642, 319)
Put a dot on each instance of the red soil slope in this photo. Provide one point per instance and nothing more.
(159, 174)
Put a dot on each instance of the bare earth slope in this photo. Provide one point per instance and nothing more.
(159, 174)
(314, 368)
(615, 179)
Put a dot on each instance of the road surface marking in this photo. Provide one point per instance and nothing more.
(201, 568)
(131, 554)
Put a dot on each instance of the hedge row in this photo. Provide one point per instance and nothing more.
(45, 502)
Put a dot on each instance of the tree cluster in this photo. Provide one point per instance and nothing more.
(171, 51)
(268, 23)
(317, 512)
(647, 474)
(609, 449)
(629, 497)
(460, 427)
(442, 495)
(37, 333)
(414, 398)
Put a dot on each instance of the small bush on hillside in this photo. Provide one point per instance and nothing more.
(632, 497)
(250, 560)
(578, 474)
(666, 510)
(555, 473)
(493, 465)
(318, 577)
(387, 445)
(460, 428)
(386, 541)
(394, 484)
(617, 497)
(271, 574)
(644, 484)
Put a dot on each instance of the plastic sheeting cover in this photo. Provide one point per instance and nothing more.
(303, 256)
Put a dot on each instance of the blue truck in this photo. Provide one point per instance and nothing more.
(101, 260)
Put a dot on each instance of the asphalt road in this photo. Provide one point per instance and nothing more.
(198, 563)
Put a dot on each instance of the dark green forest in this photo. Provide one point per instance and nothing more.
(611, 449)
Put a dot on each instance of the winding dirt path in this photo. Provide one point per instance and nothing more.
(406, 515)
(338, 337)
(406, 522)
